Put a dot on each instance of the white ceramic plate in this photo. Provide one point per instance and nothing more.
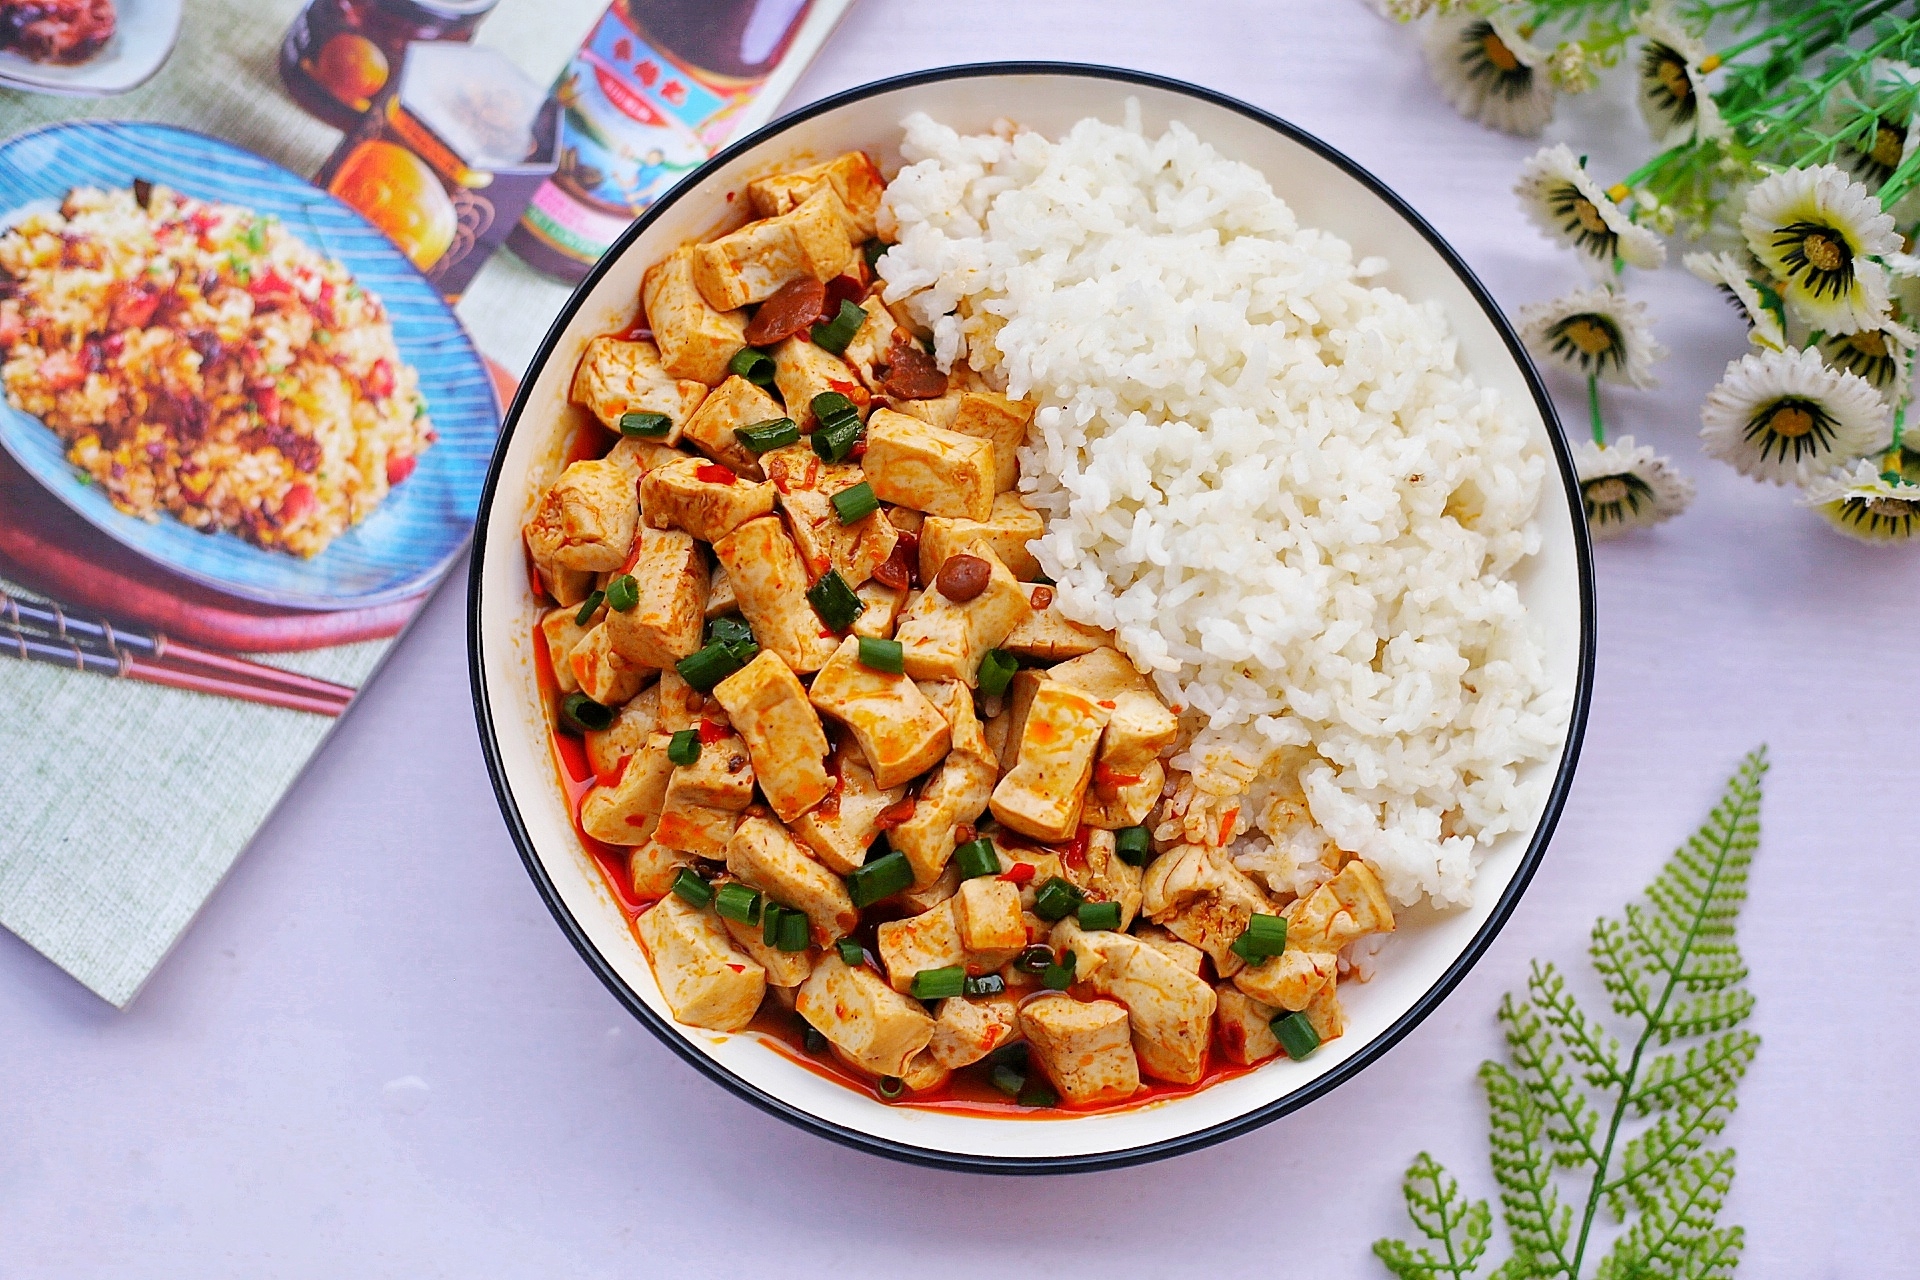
(143, 35)
(1422, 962)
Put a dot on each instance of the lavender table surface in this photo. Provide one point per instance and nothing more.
(375, 1055)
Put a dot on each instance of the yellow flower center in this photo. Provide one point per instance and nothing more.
(1497, 53)
(1589, 215)
(1823, 251)
(1869, 342)
(1608, 491)
(1588, 334)
(1790, 421)
(1673, 78)
(1887, 146)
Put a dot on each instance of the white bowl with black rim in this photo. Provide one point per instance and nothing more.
(1420, 964)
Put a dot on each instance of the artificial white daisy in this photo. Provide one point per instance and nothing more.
(1817, 231)
(1862, 503)
(1572, 68)
(1876, 111)
(1489, 72)
(1882, 356)
(1672, 83)
(1595, 333)
(1627, 486)
(1570, 207)
(1786, 416)
(1757, 301)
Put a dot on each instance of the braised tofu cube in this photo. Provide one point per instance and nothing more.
(901, 734)
(1345, 909)
(879, 1029)
(707, 982)
(990, 416)
(987, 910)
(1197, 893)
(766, 857)
(637, 455)
(854, 177)
(720, 777)
(967, 1030)
(586, 519)
(784, 968)
(617, 377)
(735, 403)
(720, 598)
(1140, 727)
(1048, 635)
(625, 809)
(1104, 877)
(806, 496)
(1019, 700)
(704, 498)
(769, 709)
(937, 410)
(653, 867)
(680, 704)
(602, 673)
(945, 640)
(1117, 800)
(663, 626)
(632, 725)
(802, 371)
(927, 897)
(750, 265)
(1325, 1016)
(1006, 532)
(1186, 955)
(1042, 796)
(562, 633)
(1102, 673)
(1045, 863)
(697, 829)
(695, 340)
(1242, 1026)
(956, 795)
(770, 581)
(840, 828)
(1083, 1047)
(1170, 1010)
(883, 606)
(931, 469)
(930, 940)
(923, 1073)
(1290, 980)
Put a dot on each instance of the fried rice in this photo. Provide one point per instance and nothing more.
(198, 359)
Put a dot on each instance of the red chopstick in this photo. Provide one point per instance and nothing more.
(245, 688)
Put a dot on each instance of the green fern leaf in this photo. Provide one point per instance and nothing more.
(1539, 1224)
(1676, 1219)
(1716, 1257)
(1446, 1217)
(1587, 1042)
(1667, 1143)
(1703, 1016)
(1570, 1121)
(1617, 964)
(1706, 1066)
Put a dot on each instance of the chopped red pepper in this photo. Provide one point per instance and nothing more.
(711, 732)
(611, 778)
(399, 467)
(1075, 852)
(713, 474)
(895, 814)
(1019, 873)
(1108, 779)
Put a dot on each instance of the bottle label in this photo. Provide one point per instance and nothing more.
(636, 121)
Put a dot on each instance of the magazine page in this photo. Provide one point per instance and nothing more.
(266, 272)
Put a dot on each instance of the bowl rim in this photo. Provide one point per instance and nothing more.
(1456, 970)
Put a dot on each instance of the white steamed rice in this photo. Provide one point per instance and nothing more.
(1265, 475)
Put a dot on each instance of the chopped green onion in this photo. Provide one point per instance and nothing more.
(755, 366)
(1099, 915)
(1134, 845)
(833, 439)
(1295, 1034)
(987, 984)
(1013, 1055)
(737, 902)
(771, 434)
(996, 672)
(880, 878)
(623, 593)
(855, 504)
(836, 333)
(815, 1042)
(705, 668)
(691, 886)
(1057, 899)
(891, 1087)
(939, 984)
(1007, 1080)
(1035, 959)
(589, 607)
(850, 952)
(883, 655)
(645, 424)
(976, 858)
(1264, 936)
(684, 747)
(770, 916)
(834, 601)
(582, 714)
(829, 405)
(795, 932)
(729, 629)
(1038, 1093)
(873, 251)
(1059, 976)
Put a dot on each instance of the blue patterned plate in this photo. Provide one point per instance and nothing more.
(410, 539)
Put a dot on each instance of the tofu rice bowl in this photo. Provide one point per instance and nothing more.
(1023, 632)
